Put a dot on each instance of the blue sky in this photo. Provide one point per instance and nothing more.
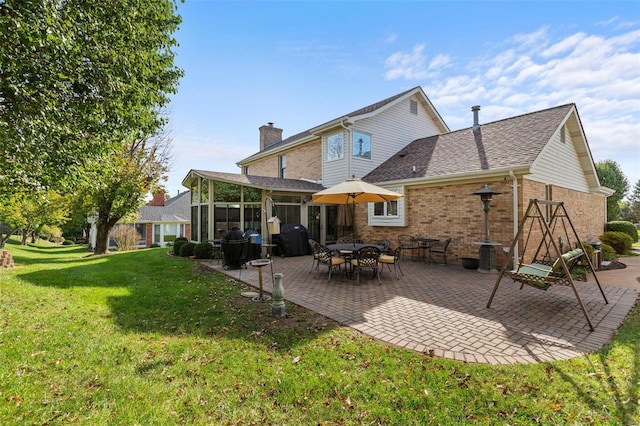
(298, 64)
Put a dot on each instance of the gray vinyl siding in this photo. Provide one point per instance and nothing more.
(335, 171)
(391, 130)
(559, 164)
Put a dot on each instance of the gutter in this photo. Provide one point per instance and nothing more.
(350, 138)
(514, 186)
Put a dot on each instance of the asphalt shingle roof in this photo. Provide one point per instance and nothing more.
(176, 209)
(512, 142)
(263, 182)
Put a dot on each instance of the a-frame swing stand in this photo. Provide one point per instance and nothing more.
(549, 265)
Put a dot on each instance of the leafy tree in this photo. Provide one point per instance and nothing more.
(77, 79)
(122, 182)
(630, 209)
(611, 176)
(28, 212)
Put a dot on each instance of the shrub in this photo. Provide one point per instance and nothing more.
(180, 239)
(67, 243)
(622, 226)
(126, 237)
(154, 245)
(588, 251)
(203, 251)
(186, 249)
(608, 253)
(619, 241)
(176, 246)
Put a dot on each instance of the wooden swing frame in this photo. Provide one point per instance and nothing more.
(543, 273)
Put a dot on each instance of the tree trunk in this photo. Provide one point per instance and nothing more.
(25, 235)
(102, 236)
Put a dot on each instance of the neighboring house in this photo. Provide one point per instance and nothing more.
(162, 221)
(403, 144)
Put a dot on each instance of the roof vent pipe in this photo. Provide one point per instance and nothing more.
(476, 121)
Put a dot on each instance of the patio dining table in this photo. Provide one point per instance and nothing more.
(425, 244)
(346, 250)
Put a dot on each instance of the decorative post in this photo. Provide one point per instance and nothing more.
(277, 296)
(487, 251)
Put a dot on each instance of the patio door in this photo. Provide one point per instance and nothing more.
(313, 222)
(322, 223)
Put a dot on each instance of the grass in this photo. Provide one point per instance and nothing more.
(142, 338)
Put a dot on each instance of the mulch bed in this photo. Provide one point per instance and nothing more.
(614, 264)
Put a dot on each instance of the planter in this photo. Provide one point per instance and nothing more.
(470, 262)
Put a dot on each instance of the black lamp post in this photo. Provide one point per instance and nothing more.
(487, 249)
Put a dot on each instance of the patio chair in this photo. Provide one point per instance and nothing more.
(366, 257)
(345, 240)
(408, 245)
(392, 258)
(326, 257)
(440, 248)
(314, 245)
(385, 244)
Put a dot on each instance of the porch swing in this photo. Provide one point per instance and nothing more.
(549, 265)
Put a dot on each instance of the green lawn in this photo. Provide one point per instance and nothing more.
(144, 338)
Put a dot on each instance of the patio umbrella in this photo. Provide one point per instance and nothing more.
(354, 191)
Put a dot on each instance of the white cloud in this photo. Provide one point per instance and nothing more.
(599, 73)
(408, 65)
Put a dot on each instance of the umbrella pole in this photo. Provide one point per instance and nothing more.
(353, 222)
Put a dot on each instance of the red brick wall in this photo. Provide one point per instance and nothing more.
(454, 211)
(304, 161)
(149, 236)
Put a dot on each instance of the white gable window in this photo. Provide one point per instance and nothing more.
(361, 145)
(390, 213)
(413, 107)
(335, 146)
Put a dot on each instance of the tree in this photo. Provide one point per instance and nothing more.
(77, 79)
(630, 209)
(28, 212)
(611, 176)
(123, 181)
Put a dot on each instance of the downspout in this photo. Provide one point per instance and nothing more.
(347, 154)
(514, 186)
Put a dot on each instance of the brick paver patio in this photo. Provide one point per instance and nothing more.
(442, 310)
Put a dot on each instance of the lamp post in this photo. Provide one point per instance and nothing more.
(487, 250)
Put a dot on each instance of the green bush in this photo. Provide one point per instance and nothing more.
(183, 239)
(203, 251)
(176, 246)
(623, 226)
(186, 249)
(608, 253)
(67, 243)
(619, 241)
(154, 245)
(588, 251)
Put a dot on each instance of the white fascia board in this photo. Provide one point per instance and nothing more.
(455, 178)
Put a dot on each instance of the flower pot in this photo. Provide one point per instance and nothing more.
(470, 262)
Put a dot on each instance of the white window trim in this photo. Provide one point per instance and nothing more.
(341, 135)
(398, 220)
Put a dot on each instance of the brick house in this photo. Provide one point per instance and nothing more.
(403, 144)
(162, 221)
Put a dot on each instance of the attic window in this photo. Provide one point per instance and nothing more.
(563, 137)
(413, 107)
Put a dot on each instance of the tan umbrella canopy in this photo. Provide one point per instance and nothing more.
(353, 191)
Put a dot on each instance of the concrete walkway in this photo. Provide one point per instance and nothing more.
(441, 310)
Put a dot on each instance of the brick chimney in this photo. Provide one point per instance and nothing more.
(269, 135)
(158, 199)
